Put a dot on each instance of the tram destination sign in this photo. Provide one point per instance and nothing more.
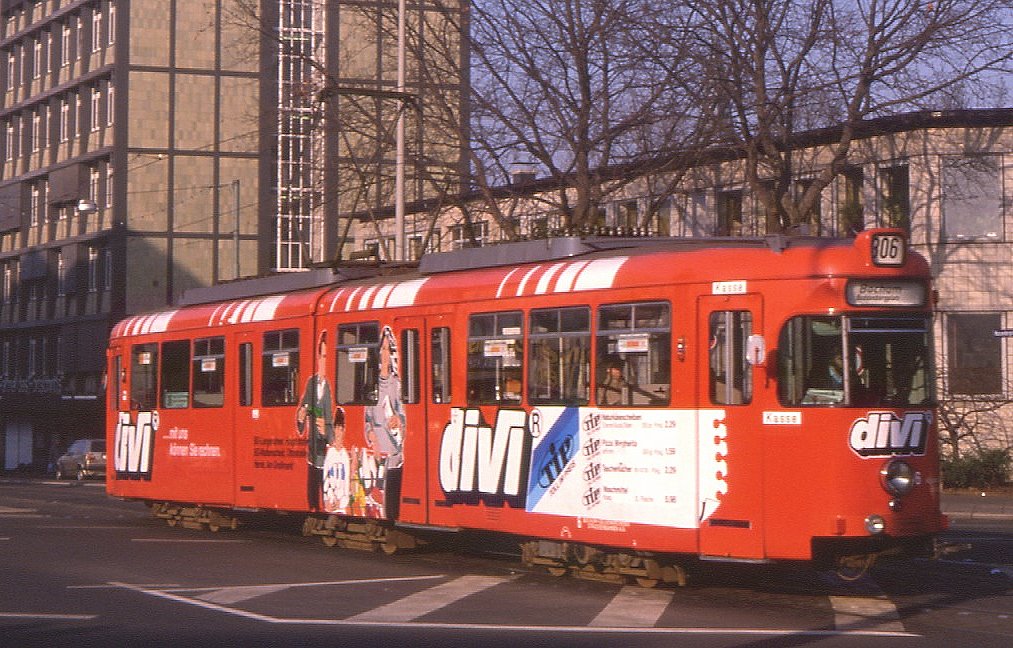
(1003, 332)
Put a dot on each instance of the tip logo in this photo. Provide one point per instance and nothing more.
(882, 434)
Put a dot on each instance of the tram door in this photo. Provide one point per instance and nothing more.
(730, 473)
(410, 480)
(245, 425)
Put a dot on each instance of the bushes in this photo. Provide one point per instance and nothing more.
(985, 469)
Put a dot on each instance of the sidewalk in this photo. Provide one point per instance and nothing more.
(977, 506)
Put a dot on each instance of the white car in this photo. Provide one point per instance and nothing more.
(84, 458)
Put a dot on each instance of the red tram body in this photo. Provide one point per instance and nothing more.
(752, 400)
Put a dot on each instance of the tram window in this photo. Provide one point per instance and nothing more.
(495, 364)
(559, 356)
(731, 381)
(633, 357)
(176, 374)
(209, 372)
(113, 386)
(886, 363)
(246, 374)
(440, 353)
(410, 366)
(144, 376)
(280, 368)
(358, 363)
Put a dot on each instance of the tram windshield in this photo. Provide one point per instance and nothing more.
(887, 364)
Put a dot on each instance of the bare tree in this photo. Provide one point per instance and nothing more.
(583, 90)
(772, 69)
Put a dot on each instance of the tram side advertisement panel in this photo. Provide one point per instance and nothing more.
(604, 467)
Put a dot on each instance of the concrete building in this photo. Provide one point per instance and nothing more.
(945, 177)
(148, 147)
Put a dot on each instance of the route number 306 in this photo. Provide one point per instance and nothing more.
(888, 250)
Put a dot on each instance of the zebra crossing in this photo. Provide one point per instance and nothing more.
(431, 600)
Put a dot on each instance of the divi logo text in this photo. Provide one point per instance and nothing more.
(882, 434)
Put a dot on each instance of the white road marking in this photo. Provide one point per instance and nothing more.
(634, 607)
(189, 540)
(47, 617)
(229, 595)
(521, 629)
(866, 613)
(426, 601)
(240, 593)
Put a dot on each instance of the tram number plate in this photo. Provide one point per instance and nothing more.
(888, 250)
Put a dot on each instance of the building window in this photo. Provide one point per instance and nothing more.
(64, 120)
(112, 24)
(44, 132)
(47, 52)
(96, 30)
(37, 58)
(468, 235)
(93, 254)
(96, 102)
(972, 197)
(33, 208)
(61, 275)
(9, 141)
(33, 359)
(110, 102)
(93, 178)
(850, 209)
(36, 131)
(65, 45)
(79, 41)
(107, 266)
(11, 70)
(8, 284)
(895, 196)
(974, 354)
(109, 184)
(729, 208)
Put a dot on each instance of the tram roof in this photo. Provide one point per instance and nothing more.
(531, 268)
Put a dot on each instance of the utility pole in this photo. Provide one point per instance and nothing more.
(235, 232)
(399, 171)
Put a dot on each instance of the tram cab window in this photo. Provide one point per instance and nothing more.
(246, 374)
(176, 374)
(633, 355)
(280, 368)
(440, 353)
(495, 361)
(559, 356)
(209, 372)
(358, 363)
(144, 376)
(865, 361)
(731, 381)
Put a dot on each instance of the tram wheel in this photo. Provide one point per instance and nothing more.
(647, 583)
(329, 540)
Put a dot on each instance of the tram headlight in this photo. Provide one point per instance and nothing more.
(898, 477)
(875, 524)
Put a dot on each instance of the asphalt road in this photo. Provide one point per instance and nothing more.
(82, 569)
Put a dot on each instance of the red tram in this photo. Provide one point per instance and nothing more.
(613, 404)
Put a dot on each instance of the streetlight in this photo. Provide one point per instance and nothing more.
(85, 207)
